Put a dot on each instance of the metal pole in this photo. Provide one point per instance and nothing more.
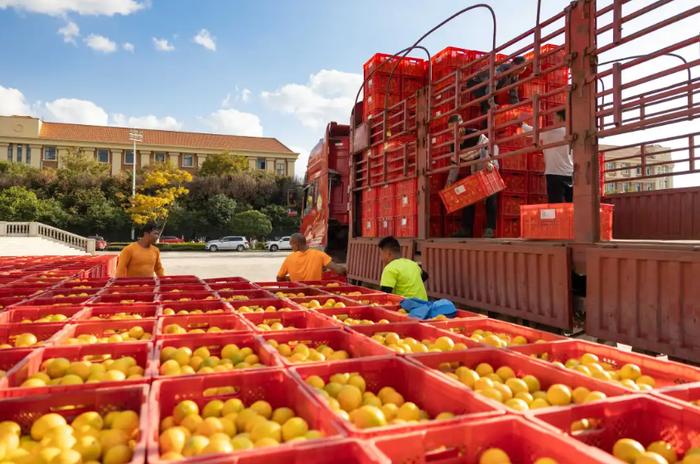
(133, 184)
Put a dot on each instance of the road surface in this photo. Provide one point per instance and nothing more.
(254, 266)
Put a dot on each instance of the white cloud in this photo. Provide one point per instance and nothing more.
(327, 96)
(205, 39)
(162, 45)
(234, 122)
(128, 46)
(83, 7)
(146, 122)
(76, 111)
(238, 96)
(12, 102)
(100, 43)
(70, 32)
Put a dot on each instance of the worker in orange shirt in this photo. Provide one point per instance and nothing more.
(305, 263)
(141, 258)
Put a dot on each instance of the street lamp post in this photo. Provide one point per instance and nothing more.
(135, 135)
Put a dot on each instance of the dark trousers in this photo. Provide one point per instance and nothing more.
(469, 212)
(560, 189)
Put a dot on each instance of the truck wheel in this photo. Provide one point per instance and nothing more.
(214, 248)
(274, 248)
(240, 248)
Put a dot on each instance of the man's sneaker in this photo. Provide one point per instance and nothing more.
(489, 233)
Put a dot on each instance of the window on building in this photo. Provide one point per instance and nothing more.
(639, 170)
(261, 164)
(10, 152)
(18, 153)
(129, 157)
(103, 155)
(28, 155)
(626, 172)
(638, 187)
(188, 160)
(159, 157)
(281, 168)
(650, 187)
(50, 154)
(650, 170)
(609, 188)
(609, 166)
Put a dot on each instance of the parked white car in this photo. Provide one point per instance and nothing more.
(281, 244)
(233, 242)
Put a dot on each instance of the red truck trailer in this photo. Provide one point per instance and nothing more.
(632, 109)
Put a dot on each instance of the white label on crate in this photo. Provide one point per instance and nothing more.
(385, 224)
(434, 140)
(548, 214)
(369, 224)
(404, 221)
(460, 189)
(404, 200)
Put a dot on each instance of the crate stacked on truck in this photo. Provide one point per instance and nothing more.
(255, 367)
(385, 171)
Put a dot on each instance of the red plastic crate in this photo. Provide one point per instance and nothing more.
(436, 226)
(412, 329)
(328, 452)
(386, 200)
(508, 227)
(32, 313)
(687, 394)
(450, 59)
(98, 329)
(6, 303)
(509, 204)
(184, 288)
(356, 345)
(536, 199)
(299, 292)
(46, 334)
(556, 221)
(383, 300)
(53, 302)
(290, 320)
(125, 291)
(141, 352)
(523, 441)
(666, 373)
(244, 295)
(640, 417)
(406, 226)
(208, 307)
(520, 364)
(365, 312)
(179, 279)
(369, 227)
(471, 189)
(226, 322)
(126, 299)
(105, 312)
(234, 286)
(222, 280)
(273, 385)
(323, 299)
(215, 343)
(266, 302)
(417, 384)
(134, 281)
(535, 162)
(385, 226)
(287, 284)
(352, 291)
(536, 184)
(467, 327)
(71, 404)
(72, 294)
(169, 298)
(9, 359)
(327, 282)
(88, 284)
(516, 182)
(406, 202)
(369, 203)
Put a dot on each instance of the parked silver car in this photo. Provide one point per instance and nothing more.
(232, 242)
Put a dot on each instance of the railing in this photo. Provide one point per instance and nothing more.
(37, 229)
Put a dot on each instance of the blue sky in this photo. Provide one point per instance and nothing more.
(259, 67)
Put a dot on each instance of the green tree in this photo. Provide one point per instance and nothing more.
(252, 224)
(282, 223)
(161, 188)
(223, 164)
(20, 204)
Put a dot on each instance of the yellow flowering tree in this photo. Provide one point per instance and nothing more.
(160, 189)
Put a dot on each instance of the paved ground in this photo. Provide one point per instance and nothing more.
(255, 266)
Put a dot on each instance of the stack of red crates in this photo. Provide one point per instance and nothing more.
(383, 89)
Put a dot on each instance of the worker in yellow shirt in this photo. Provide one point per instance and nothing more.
(305, 263)
(141, 258)
(401, 276)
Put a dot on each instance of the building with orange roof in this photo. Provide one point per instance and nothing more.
(28, 140)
